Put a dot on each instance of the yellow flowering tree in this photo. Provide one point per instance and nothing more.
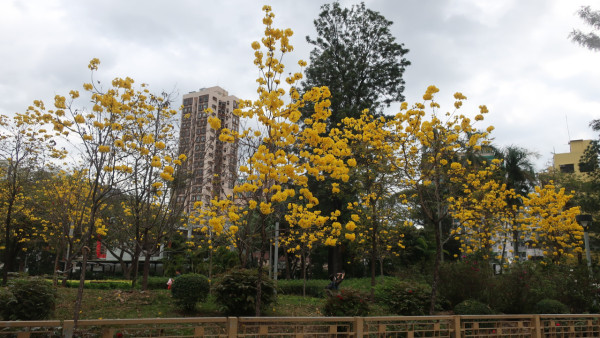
(99, 138)
(431, 147)
(372, 216)
(62, 200)
(275, 177)
(550, 222)
(150, 209)
(482, 213)
(24, 144)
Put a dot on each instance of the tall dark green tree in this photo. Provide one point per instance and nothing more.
(589, 40)
(357, 57)
(588, 196)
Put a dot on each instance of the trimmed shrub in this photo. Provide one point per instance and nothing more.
(314, 287)
(550, 306)
(347, 303)
(102, 284)
(404, 298)
(7, 301)
(236, 293)
(35, 299)
(189, 289)
(471, 278)
(516, 289)
(472, 307)
(156, 283)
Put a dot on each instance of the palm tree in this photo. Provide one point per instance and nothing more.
(518, 173)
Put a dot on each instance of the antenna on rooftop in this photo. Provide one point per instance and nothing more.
(568, 133)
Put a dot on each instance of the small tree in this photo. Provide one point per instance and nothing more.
(551, 222)
(23, 144)
(431, 150)
(101, 138)
(274, 174)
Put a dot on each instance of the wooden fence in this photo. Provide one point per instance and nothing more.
(537, 326)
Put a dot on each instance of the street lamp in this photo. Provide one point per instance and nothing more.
(585, 221)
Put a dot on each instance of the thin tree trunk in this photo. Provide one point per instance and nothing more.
(85, 251)
(373, 263)
(55, 271)
(7, 253)
(373, 251)
(303, 262)
(147, 257)
(135, 265)
(436, 269)
(516, 245)
(288, 274)
(263, 244)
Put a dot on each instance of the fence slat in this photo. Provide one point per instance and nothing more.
(457, 327)
(232, 327)
(358, 326)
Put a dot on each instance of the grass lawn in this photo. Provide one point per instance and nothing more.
(112, 304)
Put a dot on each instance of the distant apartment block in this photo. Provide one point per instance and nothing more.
(569, 162)
(211, 164)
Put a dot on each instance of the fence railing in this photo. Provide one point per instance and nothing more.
(537, 326)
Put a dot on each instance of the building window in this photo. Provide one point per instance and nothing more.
(567, 168)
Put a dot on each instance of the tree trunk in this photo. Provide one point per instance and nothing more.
(147, 257)
(261, 259)
(373, 263)
(436, 268)
(303, 260)
(85, 251)
(7, 253)
(55, 270)
(516, 245)
(135, 265)
(67, 272)
(288, 274)
(375, 226)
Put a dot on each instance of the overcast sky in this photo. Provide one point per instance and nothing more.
(511, 55)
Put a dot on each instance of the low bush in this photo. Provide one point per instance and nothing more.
(404, 298)
(517, 289)
(471, 278)
(156, 283)
(236, 292)
(102, 284)
(550, 306)
(7, 301)
(189, 289)
(347, 303)
(314, 287)
(472, 307)
(35, 299)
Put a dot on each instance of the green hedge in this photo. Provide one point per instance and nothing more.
(154, 283)
(101, 284)
(314, 287)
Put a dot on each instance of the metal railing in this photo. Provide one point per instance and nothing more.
(537, 326)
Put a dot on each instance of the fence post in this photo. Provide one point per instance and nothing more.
(457, 332)
(537, 323)
(232, 327)
(67, 329)
(358, 326)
